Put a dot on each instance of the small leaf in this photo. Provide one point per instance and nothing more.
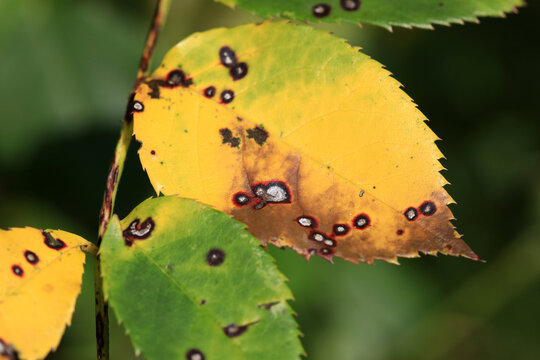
(310, 143)
(186, 279)
(385, 13)
(40, 279)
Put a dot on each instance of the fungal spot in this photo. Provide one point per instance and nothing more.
(312, 251)
(215, 257)
(228, 138)
(203, 301)
(227, 96)
(428, 208)
(210, 91)
(361, 193)
(399, 232)
(17, 270)
(361, 221)
(153, 152)
(31, 257)
(350, 5)
(195, 354)
(227, 56)
(326, 251)
(177, 78)
(234, 330)
(241, 199)
(8, 351)
(276, 192)
(411, 214)
(239, 71)
(306, 221)
(317, 236)
(258, 134)
(341, 229)
(321, 10)
(53, 243)
(138, 231)
(268, 306)
(137, 106)
(329, 242)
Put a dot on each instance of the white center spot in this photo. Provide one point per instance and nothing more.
(304, 221)
(329, 242)
(275, 193)
(318, 237)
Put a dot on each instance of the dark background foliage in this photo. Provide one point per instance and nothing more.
(66, 68)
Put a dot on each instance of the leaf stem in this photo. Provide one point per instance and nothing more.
(115, 173)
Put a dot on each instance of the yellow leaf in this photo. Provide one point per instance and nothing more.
(40, 279)
(292, 131)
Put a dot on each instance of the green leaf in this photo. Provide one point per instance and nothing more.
(180, 276)
(385, 13)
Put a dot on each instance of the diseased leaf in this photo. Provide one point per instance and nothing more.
(189, 282)
(40, 279)
(292, 131)
(385, 13)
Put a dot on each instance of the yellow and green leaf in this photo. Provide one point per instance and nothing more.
(40, 280)
(385, 13)
(306, 140)
(188, 282)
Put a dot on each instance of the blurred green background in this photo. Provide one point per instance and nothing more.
(66, 68)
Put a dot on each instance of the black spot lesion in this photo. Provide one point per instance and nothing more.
(8, 351)
(174, 79)
(17, 270)
(51, 242)
(258, 134)
(138, 230)
(233, 330)
(428, 208)
(228, 138)
(350, 5)
(31, 257)
(215, 257)
(321, 10)
(195, 354)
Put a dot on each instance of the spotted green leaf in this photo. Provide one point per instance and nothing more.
(385, 13)
(189, 282)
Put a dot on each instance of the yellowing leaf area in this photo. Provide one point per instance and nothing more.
(40, 279)
(299, 135)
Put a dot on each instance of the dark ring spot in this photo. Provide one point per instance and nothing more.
(234, 330)
(428, 208)
(400, 232)
(341, 229)
(195, 354)
(241, 198)
(227, 96)
(139, 231)
(361, 221)
(17, 270)
(31, 257)
(411, 213)
(227, 56)
(350, 5)
(215, 257)
(326, 251)
(307, 221)
(210, 91)
(321, 10)
(177, 78)
(239, 71)
(138, 106)
(53, 243)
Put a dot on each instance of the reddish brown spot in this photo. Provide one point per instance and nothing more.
(31, 257)
(241, 199)
(17, 270)
(153, 152)
(321, 10)
(341, 229)
(428, 208)
(361, 221)
(138, 231)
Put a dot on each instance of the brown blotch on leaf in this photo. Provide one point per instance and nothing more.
(138, 231)
(31, 257)
(17, 270)
(258, 134)
(350, 5)
(234, 330)
(321, 10)
(215, 257)
(195, 354)
(228, 138)
(51, 242)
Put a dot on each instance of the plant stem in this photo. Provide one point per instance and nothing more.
(115, 173)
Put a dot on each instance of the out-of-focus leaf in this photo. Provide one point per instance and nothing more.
(185, 280)
(310, 143)
(385, 13)
(40, 279)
